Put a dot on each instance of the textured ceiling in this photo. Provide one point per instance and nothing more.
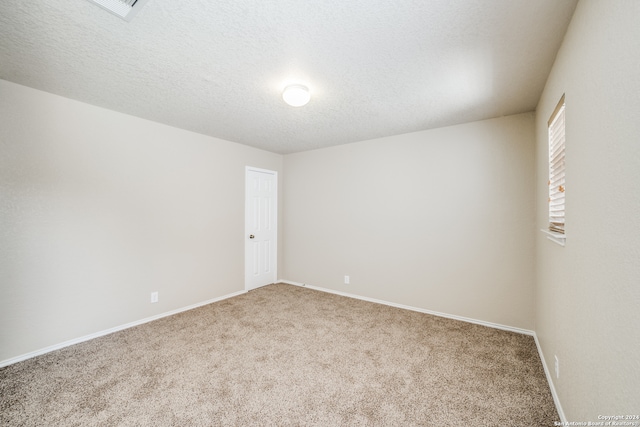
(375, 67)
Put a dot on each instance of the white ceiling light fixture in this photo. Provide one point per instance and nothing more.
(125, 9)
(296, 95)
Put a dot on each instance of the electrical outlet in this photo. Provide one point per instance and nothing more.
(557, 367)
(154, 297)
(346, 280)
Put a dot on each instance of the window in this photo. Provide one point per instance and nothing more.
(556, 169)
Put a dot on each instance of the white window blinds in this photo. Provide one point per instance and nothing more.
(557, 169)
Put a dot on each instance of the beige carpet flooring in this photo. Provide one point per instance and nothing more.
(287, 356)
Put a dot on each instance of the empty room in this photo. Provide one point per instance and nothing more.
(319, 213)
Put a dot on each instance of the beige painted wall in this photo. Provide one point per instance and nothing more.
(588, 292)
(440, 220)
(99, 209)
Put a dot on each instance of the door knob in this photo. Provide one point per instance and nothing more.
(251, 236)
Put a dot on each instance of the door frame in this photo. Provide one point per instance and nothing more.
(248, 169)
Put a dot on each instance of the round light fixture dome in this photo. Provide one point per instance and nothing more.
(296, 95)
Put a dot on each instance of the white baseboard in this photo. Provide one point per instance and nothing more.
(420, 310)
(54, 347)
(547, 373)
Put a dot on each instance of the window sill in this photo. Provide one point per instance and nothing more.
(558, 238)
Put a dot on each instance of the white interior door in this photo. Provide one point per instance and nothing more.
(261, 227)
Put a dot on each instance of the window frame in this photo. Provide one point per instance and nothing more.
(556, 187)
